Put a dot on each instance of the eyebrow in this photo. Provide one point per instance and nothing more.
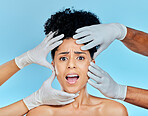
(79, 52)
(76, 52)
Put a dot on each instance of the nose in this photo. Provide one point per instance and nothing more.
(71, 64)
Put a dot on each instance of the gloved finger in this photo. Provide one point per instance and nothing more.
(65, 98)
(84, 40)
(82, 29)
(50, 79)
(55, 39)
(94, 77)
(66, 102)
(49, 36)
(95, 71)
(95, 85)
(77, 93)
(66, 95)
(89, 46)
(49, 33)
(54, 45)
(81, 34)
(96, 67)
(48, 65)
(99, 50)
(46, 38)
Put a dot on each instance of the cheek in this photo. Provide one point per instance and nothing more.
(59, 69)
(84, 68)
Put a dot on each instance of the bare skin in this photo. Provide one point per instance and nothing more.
(136, 41)
(84, 105)
(137, 96)
(15, 109)
(7, 70)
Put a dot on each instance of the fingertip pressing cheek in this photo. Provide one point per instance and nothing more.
(92, 60)
(70, 60)
(55, 68)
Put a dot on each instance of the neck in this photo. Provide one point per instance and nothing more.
(82, 99)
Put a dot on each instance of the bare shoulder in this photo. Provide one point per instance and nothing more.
(108, 107)
(41, 111)
(114, 108)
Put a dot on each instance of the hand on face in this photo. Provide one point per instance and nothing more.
(101, 35)
(71, 66)
(105, 84)
(38, 54)
(47, 95)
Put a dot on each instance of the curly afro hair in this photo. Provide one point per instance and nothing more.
(67, 22)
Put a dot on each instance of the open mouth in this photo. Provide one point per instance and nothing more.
(72, 78)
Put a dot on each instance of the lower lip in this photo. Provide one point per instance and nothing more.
(72, 81)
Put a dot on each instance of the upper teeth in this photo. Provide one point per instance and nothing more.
(72, 75)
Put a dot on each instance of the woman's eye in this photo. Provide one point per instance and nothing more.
(63, 58)
(80, 58)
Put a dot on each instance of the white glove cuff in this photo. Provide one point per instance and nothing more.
(122, 92)
(31, 101)
(123, 31)
(22, 60)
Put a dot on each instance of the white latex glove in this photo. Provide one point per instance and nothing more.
(39, 54)
(47, 95)
(105, 84)
(101, 35)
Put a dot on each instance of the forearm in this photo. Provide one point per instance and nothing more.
(15, 109)
(137, 96)
(136, 41)
(7, 70)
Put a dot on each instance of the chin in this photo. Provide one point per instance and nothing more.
(72, 89)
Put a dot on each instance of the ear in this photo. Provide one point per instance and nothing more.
(93, 60)
(52, 63)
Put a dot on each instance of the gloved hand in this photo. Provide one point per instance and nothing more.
(38, 54)
(101, 35)
(105, 84)
(47, 95)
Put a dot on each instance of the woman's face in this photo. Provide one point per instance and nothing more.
(71, 65)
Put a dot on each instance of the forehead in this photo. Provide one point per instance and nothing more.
(70, 45)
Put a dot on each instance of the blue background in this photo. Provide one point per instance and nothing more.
(21, 29)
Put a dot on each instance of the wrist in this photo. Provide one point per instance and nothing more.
(121, 93)
(32, 101)
(23, 60)
(121, 30)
